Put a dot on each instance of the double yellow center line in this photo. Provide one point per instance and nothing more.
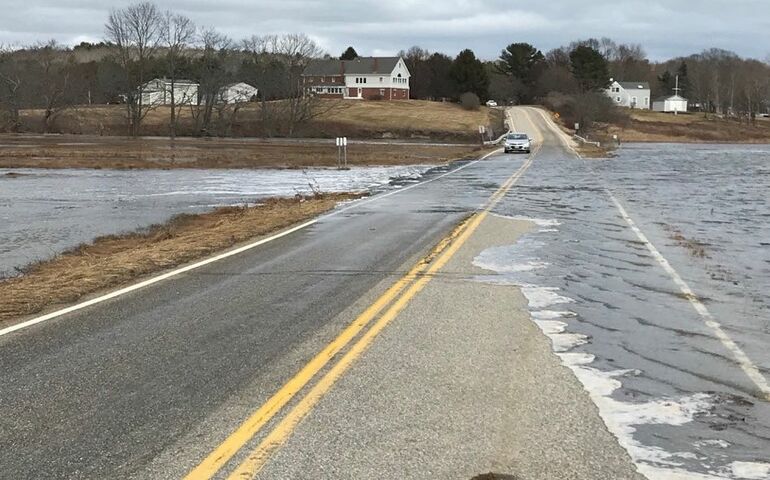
(395, 299)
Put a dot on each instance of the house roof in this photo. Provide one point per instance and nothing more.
(359, 66)
(670, 97)
(635, 85)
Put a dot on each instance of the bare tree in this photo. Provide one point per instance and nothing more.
(135, 32)
(178, 33)
(50, 66)
(11, 83)
(278, 62)
(214, 70)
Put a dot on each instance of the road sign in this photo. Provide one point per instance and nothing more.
(482, 129)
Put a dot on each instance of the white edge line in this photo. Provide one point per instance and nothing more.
(222, 256)
(748, 367)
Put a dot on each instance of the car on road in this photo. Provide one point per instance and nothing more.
(517, 142)
(491, 103)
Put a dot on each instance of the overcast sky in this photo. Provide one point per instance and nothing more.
(666, 28)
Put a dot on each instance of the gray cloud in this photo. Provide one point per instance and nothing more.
(665, 28)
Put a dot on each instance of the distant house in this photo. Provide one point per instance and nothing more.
(629, 94)
(384, 78)
(158, 92)
(672, 103)
(237, 93)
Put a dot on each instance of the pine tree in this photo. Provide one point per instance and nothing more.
(469, 75)
(589, 68)
(349, 54)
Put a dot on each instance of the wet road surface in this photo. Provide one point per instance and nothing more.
(144, 386)
(677, 392)
(102, 392)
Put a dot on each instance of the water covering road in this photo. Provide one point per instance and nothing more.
(43, 212)
(665, 383)
(142, 386)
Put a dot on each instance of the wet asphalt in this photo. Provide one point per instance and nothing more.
(461, 383)
(102, 392)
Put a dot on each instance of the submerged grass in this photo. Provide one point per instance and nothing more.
(114, 260)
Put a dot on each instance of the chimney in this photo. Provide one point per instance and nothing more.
(375, 66)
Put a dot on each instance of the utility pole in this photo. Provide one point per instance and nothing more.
(676, 92)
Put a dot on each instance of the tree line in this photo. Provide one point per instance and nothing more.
(143, 42)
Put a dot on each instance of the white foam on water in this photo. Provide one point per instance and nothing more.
(750, 470)
(540, 222)
(542, 297)
(621, 418)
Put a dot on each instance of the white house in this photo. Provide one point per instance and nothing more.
(384, 78)
(158, 92)
(630, 94)
(237, 93)
(673, 103)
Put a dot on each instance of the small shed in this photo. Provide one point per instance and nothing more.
(671, 104)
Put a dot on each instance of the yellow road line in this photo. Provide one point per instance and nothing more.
(278, 436)
(246, 431)
(225, 451)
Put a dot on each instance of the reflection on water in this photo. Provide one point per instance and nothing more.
(664, 384)
(43, 212)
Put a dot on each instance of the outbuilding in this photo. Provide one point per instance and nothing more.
(670, 104)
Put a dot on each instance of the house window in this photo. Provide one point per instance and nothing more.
(382, 92)
(646, 101)
(617, 99)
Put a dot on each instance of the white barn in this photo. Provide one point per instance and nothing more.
(158, 92)
(630, 94)
(673, 103)
(237, 93)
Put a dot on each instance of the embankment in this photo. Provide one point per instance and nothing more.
(113, 261)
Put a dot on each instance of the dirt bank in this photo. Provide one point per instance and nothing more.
(78, 151)
(112, 261)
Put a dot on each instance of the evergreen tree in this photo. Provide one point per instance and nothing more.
(469, 75)
(522, 62)
(349, 54)
(590, 68)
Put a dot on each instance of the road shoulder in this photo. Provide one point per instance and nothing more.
(461, 383)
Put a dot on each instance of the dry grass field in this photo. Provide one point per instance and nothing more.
(647, 126)
(355, 119)
(79, 151)
(115, 260)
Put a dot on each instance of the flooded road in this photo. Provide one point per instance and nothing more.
(44, 212)
(679, 379)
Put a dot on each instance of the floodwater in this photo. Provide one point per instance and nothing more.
(668, 382)
(44, 212)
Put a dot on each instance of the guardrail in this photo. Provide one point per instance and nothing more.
(584, 140)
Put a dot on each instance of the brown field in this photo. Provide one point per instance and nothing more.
(113, 261)
(647, 126)
(78, 151)
(355, 119)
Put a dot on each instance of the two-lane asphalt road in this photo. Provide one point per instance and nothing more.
(104, 391)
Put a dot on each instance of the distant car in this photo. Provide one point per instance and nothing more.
(491, 103)
(517, 142)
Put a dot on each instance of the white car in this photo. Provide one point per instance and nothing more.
(491, 103)
(517, 142)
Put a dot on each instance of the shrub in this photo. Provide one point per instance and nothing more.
(585, 109)
(470, 101)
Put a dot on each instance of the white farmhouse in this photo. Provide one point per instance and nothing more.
(630, 94)
(670, 104)
(158, 92)
(237, 93)
(383, 78)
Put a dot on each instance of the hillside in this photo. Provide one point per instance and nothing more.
(355, 119)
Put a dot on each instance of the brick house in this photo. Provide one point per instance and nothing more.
(365, 78)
